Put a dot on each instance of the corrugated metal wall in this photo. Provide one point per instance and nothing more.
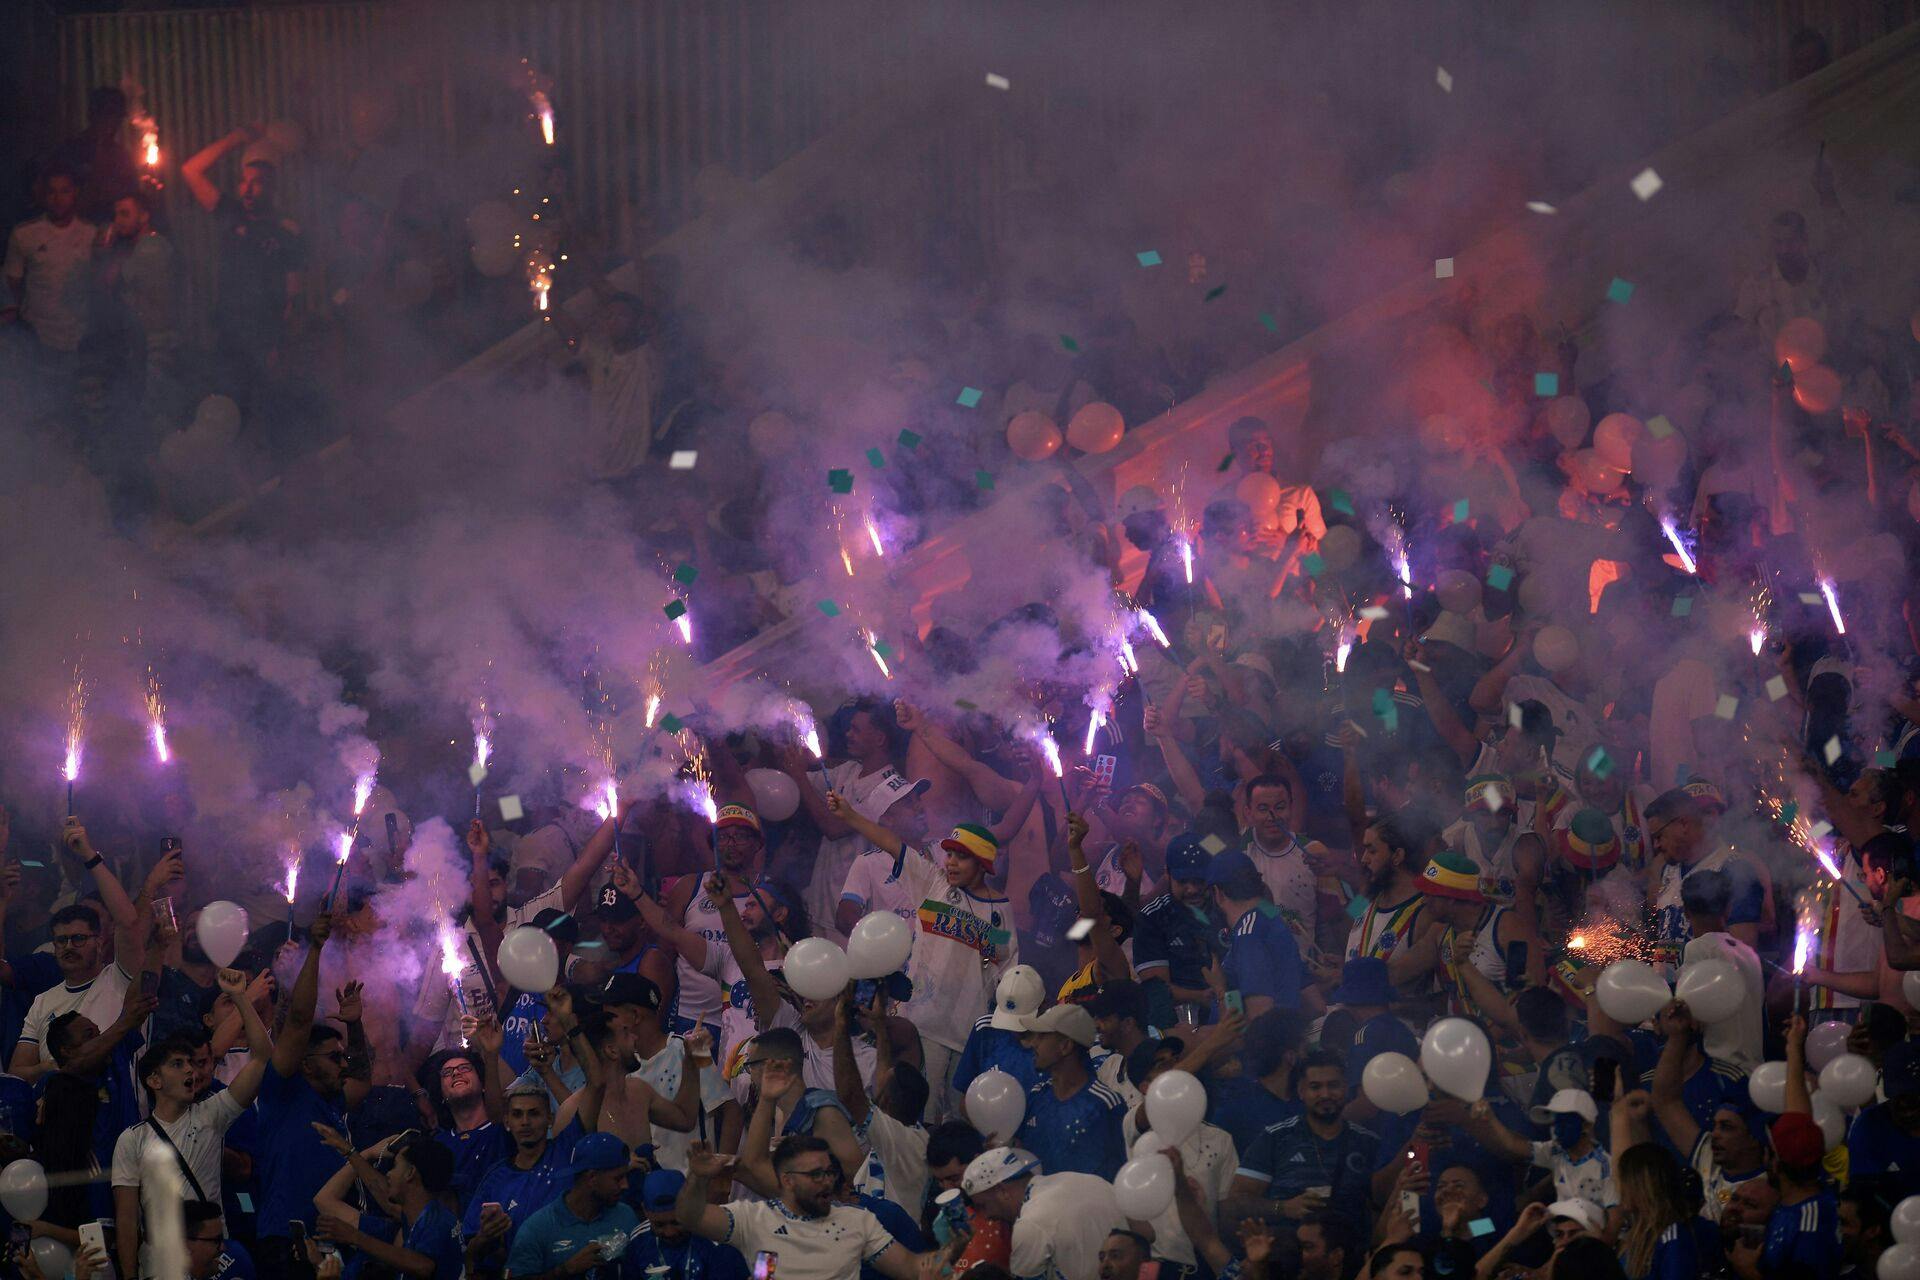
(647, 92)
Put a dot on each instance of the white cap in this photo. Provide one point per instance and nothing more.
(1017, 998)
(1069, 1020)
(1585, 1212)
(1567, 1102)
(994, 1166)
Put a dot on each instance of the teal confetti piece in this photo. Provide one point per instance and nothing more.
(28, 862)
(829, 608)
(1357, 907)
(1225, 463)
(1339, 500)
(242, 1198)
(1382, 702)
(1481, 1227)
(882, 648)
(984, 479)
(1268, 323)
(1789, 813)
(1682, 606)
(1499, 577)
(1460, 511)
(1391, 720)
(674, 609)
(1884, 759)
(686, 573)
(1148, 257)
(1619, 290)
(840, 480)
(1069, 343)
(909, 439)
(1214, 292)
(1658, 427)
(968, 397)
(672, 723)
(1599, 763)
(876, 458)
(1546, 384)
(1313, 564)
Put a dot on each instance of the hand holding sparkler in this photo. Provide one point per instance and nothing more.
(479, 843)
(73, 837)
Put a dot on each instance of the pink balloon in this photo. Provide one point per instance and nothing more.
(1614, 439)
(1096, 428)
(1801, 342)
(1032, 436)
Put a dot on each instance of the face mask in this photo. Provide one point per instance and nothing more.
(1566, 1129)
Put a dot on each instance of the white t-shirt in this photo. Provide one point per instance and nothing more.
(435, 997)
(962, 943)
(199, 1135)
(874, 886)
(1290, 883)
(1066, 1218)
(1209, 1157)
(98, 1000)
(621, 386)
(1588, 1178)
(1714, 1182)
(1738, 1039)
(54, 261)
(1848, 944)
(664, 1071)
(830, 1247)
(870, 794)
(896, 1164)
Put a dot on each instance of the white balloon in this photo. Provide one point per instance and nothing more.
(54, 1258)
(1712, 990)
(23, 1190)
(1392, 1082)
(879, 945)
(222, 927)
(775, 796)
(1149, 1144)
(1906, 1220)
(529, 960)
(1143, 1189)
(1849, 1080)
(1631, 991)
(996, 1104)
(1899, 1262)
(1827, 1041)
(1455, 1055)
(1910, 980)
(1176, 1104)
(219, 417)
(1459, 591)
(1767, 1086)
(1832, 1121)
(816, 968)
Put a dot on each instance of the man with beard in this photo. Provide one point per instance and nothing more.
(187, 987)
(1175, 939)
(738, 849)
(1314, 1160)
(1728, 1154)
(816, 1238)
(584, 1231)
(1391, 857)
(1073, 1122)
(1123, 1254)
(528, 1180)
(664, 1242)
(1682, 847)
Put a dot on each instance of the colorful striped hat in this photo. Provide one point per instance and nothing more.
(1452, 875)
(1498, 786)
(735, 815)
(1705, 794)
(973, 840)
(1589, 841)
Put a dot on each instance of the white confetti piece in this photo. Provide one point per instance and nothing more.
(1811, 597)
(476, 773)
(1443, 268)
(1832, 750)
(1443, 78)
(1776, 689)
(1081, 928)
(1727, 705)
(682, 459)
(1646, 184)
(1513, 714)
(1373, 613)
(998, 82)
(1213, 844)
(510, 810)
(1820, 828)
(1540, 206)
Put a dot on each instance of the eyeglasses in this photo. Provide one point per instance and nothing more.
(815, 1174)
(73, 939)
(456, 1069)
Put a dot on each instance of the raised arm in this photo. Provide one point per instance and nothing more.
(1186, 781)
(291, 1049)
(846, 1069)
(1016, 815)
(1446, 721)
(1798, 1099)
(246, 1086)
(691, 1207)
(665, 921)
(754, 1166)
(135, 1009)
(592, 856)
(882, 838)
(1496, 1137)
(992, 790)
(128, 923)
(339, 1221)
(357, 1072)
(194, 170)
(761, 987)
(486, 1033)
(1108, 958)
(1669, 1077)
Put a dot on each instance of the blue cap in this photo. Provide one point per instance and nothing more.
(1363, 981)
(659, 1189)
(598, 1152)
(1232, 865)
(1187, 859)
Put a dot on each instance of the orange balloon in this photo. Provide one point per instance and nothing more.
(1096, 428)
(1614, 439)
(1568, 419)
(1032, 436)
(1817, 389)
(1801, 342)
(1594, 473)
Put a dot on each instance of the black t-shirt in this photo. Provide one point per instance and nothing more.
(256, 253)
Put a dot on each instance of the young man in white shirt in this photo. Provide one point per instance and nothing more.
(46, 267)
(193, 1131)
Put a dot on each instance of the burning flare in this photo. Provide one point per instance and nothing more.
(543, 108)
(362, 792)
(1833, 605)
(1094, 724)
(293, 880)
(1152, 624)
(1672, 530)
(653, 709)
(873, 536)
(873, 647)
(76, 727)
(345, 850)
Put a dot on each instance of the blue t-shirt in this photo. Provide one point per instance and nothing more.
(474, 1152)
(988, 1047)
(235, 1262)
(183, 1005)
(1244, 1108)
(1289, 1159)
(527, 1009)
(689, 1258)
(434, 1233)
(1377, 1035)
(553, 1234)
(1078, 1134)
(292, 1163)
(1263, 959)
(1676, 1255)
(522, 1192)
(1806, 1235)
(1713, 1086)
(1875, 1144)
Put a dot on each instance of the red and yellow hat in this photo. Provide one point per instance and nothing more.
(1490, 791)
(735, 815)
(1452, 875)
(973, 840)
(1589, 841)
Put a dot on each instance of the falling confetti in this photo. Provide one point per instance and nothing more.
(1646, 184)
(1443, 268)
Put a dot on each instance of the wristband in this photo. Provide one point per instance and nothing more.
(93, 862)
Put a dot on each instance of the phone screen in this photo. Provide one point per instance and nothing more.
(764, 1263)
(1235, 1002)
(1103, 767)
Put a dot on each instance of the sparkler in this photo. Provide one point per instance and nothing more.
(362, 792)
(810, 738)
(157, 718)
(1152, 624)
(653, 709)
(452, 965)
(293, 886)
(1094, 724)
(1757, 639)
(482, 752)
(149, 132)
(685, 623)
(76, 734)
(1833, 605)
(1043, 738)
(1186, 557)
(1825, 857)
(340, 856)
(846, 560)
(873, 536)
(1672, 530)
(1802, 943)
(1128, 662)
(543, 108)
(873, 648)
